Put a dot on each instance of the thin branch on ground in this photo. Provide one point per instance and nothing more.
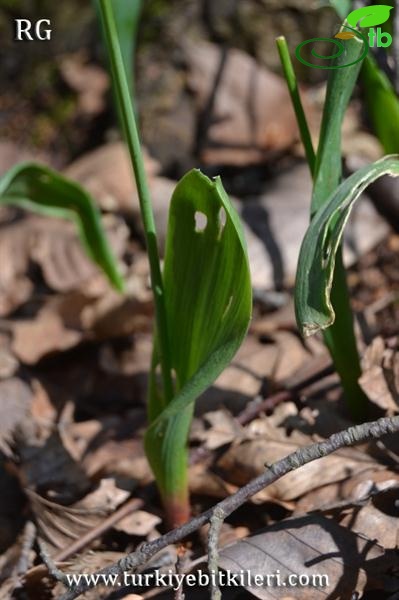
(295, 460)
(216, 524)
(53, 570)
(29, 536)
(93, 534)
(180, 569)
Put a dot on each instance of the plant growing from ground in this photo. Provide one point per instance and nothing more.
(321, 292)
(202, 298)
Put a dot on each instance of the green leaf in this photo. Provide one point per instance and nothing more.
(342, 7)
(208, 301)
(328, 169)
(44, 191)
(314, 310)
(127, 17)
(340, 338)
(382, 105)
(369, 16)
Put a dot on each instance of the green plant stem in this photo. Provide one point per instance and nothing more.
(326, 170)
(293, 89)
(341, 342)
(133, 141)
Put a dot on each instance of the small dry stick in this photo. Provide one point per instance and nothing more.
(302, 456)
(27, 545)
(180, 567)
(216, 524)
(53, 570)
(78, 545)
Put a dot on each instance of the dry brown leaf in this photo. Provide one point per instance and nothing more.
(15, 404)
(140, 523)
(105, 499)
(243, 378)
(373, 523)
(47, 466)
(106, 173)
(353, 490)
(124, 458)
(56, 248)
(380, 379)
(8, 362)
(113, 315)
(12, 153)
(248, 107)
(274, 237)
(205, 483)
(43, 412)
(310, 546)
(37, 338)
(90, 562)
(89, 81)
(60, 525)
(223, 429)
(15, 287)
(6, 589)
(52, 244)
(291, 355)
(270, 443)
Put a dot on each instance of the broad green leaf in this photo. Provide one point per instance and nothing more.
(39, 189)
(369, 16)
(382, 105)
(208, 302)
(314, 310)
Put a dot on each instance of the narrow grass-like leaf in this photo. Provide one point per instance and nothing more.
(127, 17)
(342, 7)
(208, 302)
(340, 338)
(314, 309)
(379, 94)
(328, 169)
(39, 189)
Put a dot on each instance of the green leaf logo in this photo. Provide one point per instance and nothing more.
(369, 16)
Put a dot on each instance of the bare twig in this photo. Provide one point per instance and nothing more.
(216, 523)
(53, 570)
(131, 506)
(180, 568)
(295, 460)
(263, 405)
(27, 545)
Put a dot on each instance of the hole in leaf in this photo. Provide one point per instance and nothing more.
(201, 221)
(222, 219)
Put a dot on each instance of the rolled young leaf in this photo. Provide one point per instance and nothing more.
(321, 243)
(39, 189)
(208, 301)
